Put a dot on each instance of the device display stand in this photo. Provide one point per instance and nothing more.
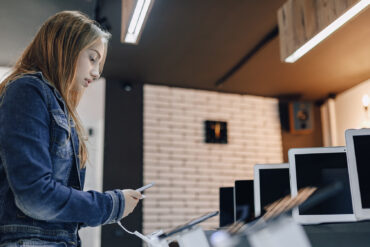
(192, 237)
(187, 238)
(158, 243)
(282, 231)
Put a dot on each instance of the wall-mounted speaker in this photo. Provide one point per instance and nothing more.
(300, 117)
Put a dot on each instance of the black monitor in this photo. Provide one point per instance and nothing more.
(321, 167)
(320, 170)
(358, 156)
(226, 206)
(271, 182)
(361, 144)
(243, 200)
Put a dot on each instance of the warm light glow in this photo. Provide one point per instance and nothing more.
(137, 21)
(365, 100)
(135, 16)
(327, 31)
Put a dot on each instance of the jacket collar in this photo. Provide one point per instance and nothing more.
(55, 90)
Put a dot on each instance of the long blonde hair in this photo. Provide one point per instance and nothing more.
(54, 51)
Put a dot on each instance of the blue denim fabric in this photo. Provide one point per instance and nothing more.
(40, 180)
(32, 243)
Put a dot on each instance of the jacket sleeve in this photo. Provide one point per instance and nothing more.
(24, 152)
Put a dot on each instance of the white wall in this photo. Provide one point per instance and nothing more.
(189, 172)
(3, 72)
(349, 111)
(92, 113)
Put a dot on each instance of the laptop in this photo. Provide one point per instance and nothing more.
(271, 182)
(243, 200)
(358, 156)
(320, 167)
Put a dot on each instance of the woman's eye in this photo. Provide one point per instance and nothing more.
(92, 59)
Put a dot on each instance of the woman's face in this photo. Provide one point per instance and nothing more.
(88, 64)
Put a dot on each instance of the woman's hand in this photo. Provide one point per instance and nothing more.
(131, 199)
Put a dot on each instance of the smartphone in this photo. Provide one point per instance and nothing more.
(145, 187)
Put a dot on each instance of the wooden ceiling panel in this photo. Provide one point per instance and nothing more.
(338, 63)
(192, 44)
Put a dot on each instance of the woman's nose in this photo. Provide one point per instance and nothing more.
(95, 74)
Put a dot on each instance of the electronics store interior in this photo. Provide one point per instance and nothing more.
(213, 124)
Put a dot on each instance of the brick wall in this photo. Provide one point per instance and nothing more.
(189, 172)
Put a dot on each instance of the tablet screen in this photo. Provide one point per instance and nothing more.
(362, 153)
(226, 206)
(244, 200)
(188, 224)
(322, 169)
(274, 184)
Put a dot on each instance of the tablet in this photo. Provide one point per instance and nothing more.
(358, 156)
(226, 206)
(243, 200)
(320, 167)
(188, 224)
(271, 182)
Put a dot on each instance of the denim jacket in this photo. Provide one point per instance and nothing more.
(40, 180)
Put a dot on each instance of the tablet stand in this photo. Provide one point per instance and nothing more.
(282, 231)
(194, 236)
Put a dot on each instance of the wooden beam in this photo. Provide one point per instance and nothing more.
(300, 20)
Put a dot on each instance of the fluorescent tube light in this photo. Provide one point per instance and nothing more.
(135, 16)
(327, 31)
(137, 21)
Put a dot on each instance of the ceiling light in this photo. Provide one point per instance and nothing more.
(327, 31)
(137, 20)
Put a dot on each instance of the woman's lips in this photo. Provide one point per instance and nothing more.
(86, 83)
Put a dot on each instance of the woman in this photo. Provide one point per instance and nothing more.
(42, 148)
